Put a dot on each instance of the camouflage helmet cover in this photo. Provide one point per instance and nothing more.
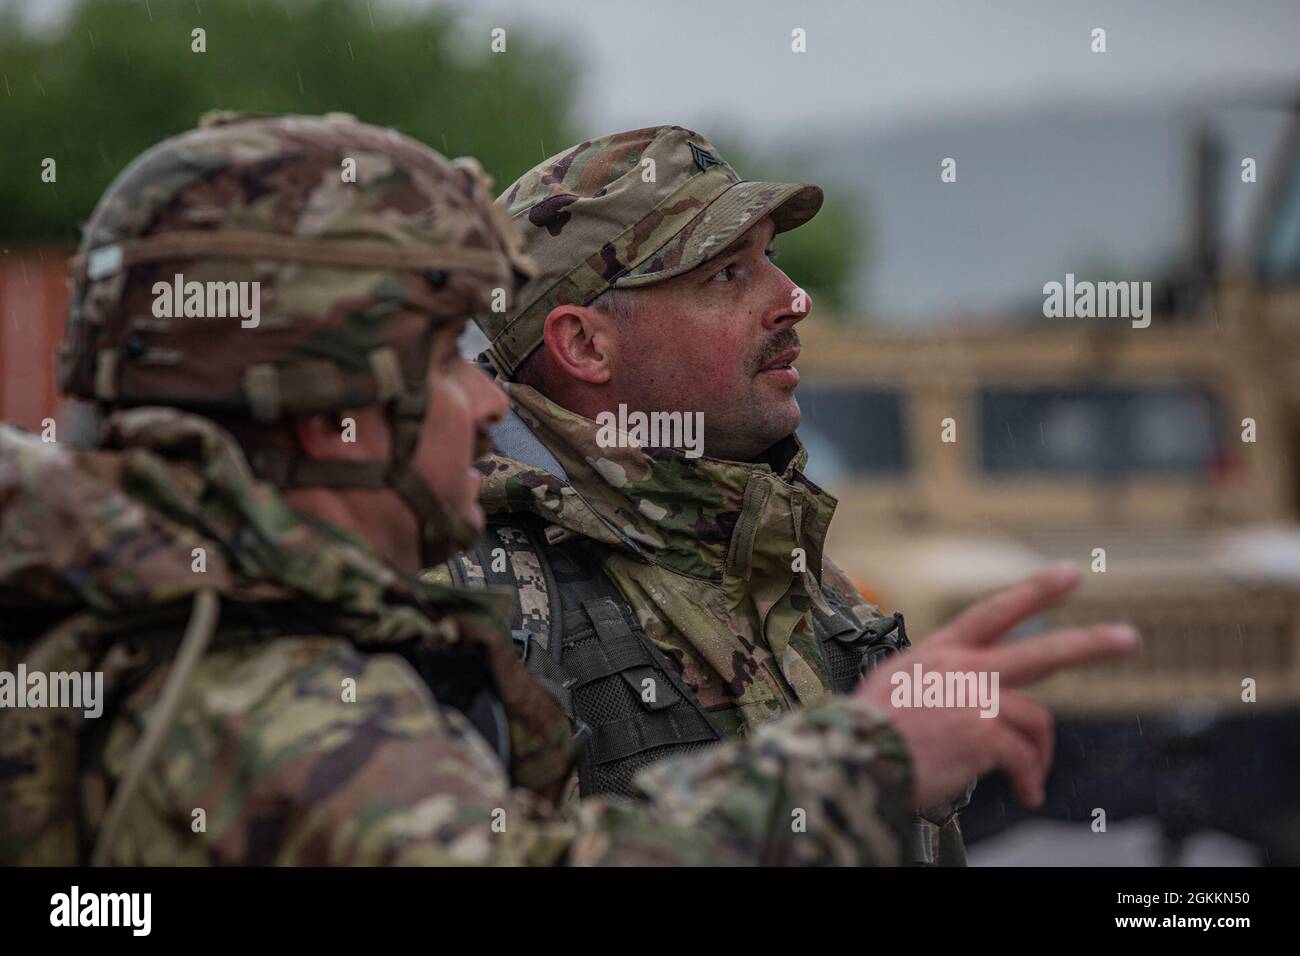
(357, 237)
(355, 241)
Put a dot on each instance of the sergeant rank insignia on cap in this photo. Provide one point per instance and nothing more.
(703, 158)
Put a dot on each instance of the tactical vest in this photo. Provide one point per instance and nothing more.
(577, 635)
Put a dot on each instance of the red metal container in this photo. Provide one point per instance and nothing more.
(33, 303)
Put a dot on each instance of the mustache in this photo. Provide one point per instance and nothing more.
(780, 342)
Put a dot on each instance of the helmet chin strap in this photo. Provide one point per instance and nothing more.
(442, 531)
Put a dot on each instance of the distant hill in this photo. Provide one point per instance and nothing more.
(1036, 196)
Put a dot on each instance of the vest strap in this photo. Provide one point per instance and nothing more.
(621, 739)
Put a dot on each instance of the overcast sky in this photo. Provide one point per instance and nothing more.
(882, 63)
(1070, 159)
(1072, 156)
(878, 65)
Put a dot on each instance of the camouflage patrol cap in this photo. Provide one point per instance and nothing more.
(625, 211)
(354, 241)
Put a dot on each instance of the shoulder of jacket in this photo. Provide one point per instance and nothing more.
(842, 592)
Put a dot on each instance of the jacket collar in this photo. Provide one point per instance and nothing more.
(737, 524)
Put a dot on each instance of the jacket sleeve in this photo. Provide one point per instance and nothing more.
(306, 751)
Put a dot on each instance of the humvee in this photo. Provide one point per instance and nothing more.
(1163, 460)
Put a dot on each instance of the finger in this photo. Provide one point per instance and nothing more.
(1031, 719)
(988, 620)
(1018, 759)
(1035, 658)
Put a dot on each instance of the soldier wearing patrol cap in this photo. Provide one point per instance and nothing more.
(666, 599)
(278, 685)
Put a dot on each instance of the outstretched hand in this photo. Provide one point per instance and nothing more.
(953, 745)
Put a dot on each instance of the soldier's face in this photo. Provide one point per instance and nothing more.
(720, 340)
(463, 404)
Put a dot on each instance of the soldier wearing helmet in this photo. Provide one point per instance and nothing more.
(234, 561)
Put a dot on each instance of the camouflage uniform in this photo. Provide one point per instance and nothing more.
(700, 549)
(274, 692)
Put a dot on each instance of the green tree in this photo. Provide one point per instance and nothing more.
(117, 76)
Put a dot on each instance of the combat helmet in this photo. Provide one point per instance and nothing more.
(354, 241)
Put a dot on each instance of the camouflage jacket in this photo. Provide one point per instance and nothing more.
(305, 733)
(720, 561)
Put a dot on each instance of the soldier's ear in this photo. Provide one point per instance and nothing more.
(316, 434)
(357, 435)
(580, 343)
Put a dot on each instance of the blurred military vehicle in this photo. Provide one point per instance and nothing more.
(1165, 460)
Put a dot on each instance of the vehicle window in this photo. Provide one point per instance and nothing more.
(858, 432)
(1100, 431)
(1279, 254)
